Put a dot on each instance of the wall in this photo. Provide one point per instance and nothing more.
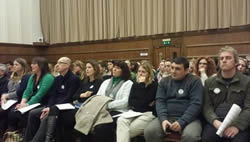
(206, 43)
(120, 50)
(210, 44)
(8, 52)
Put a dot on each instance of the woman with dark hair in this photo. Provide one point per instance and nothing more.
(117, 88)
(110, 65)
(20, 72)
(37, 88)
(204, 68)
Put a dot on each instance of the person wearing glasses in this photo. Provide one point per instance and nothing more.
(205, 67)
(42, 121)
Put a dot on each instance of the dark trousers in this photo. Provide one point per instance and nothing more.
(36, 128)
(3, 121)
(209, 135)
(103, 132)
(67, 122)
(16, 120)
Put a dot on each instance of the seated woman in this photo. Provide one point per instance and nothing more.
(118, 88)
(20, 72)
(41, 126)
(141, 99)
(88, 88)
(204, 68)
(37, 88)
(242, 65)
(79, 69)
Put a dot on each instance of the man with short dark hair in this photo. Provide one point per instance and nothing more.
(228, 87)
(178, 105)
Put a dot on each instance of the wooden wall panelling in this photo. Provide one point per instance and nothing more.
(103, 51)
(9, 52)
(209, 45)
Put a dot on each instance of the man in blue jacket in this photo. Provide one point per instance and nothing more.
(178, 105)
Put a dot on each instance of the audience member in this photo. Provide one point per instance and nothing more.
(36, 91)
(118, 89)
(160, 71)
(205, 67)
(79, 69)
(42, 121)
(20, 70)
(167, 68)
(110, 65)
(178, 105)
(88, 88)
(228, 87)
(3, 79)
(141, 99)
(242, 65)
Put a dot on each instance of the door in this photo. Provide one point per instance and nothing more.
(165, 52)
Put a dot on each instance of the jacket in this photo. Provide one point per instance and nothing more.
(181, 99)
(238, 92)
(92, 112)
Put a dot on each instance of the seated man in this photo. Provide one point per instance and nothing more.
(65, 85)
(228, 87)
(178, 105)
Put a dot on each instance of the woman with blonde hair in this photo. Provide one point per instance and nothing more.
(79, 69)
(141, 99)
(204, 68)
(16, 86)
(242, 65)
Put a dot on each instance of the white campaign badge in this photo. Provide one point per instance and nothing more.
(91, 86)
(62, 87)
(180, 91)
(217, 90)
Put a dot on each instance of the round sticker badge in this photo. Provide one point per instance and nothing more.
(62, 87)
(217, 90)
(180, 91)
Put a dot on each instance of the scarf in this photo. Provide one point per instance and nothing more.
(113, 88)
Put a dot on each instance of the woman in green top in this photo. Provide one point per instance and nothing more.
(38, 87)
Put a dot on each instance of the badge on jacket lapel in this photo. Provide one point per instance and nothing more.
(62, 87)
(217, 90)
(180, 91)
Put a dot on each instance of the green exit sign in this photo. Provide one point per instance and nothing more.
(166, 41)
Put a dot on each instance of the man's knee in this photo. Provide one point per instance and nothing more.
(153, 130)
(191, 137)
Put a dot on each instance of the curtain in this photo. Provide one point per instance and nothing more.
(20, 21)
(86, 20)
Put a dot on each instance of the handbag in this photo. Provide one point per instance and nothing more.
(15, 136)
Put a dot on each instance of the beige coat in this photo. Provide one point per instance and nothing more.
(92, 112)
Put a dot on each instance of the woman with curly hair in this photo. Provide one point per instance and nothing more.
(204, 68)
